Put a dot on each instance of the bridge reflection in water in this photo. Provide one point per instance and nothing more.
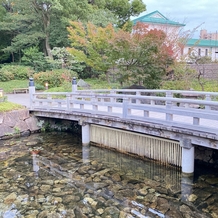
(129, 168)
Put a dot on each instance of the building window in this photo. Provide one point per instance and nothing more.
(199, 52)
(206, 52)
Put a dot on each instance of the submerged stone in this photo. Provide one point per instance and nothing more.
(10, 198)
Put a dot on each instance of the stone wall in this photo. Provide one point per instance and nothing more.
(207, 156)
(210, 71)
(17, 122)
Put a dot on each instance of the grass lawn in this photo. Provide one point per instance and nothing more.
(210, 86)
(9, 106)
(10, 85)
(94, 83)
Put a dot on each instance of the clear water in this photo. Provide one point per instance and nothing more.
(68, 180)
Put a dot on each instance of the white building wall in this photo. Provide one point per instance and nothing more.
(168, 29)
(201, 51)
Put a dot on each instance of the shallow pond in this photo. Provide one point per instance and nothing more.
(68, 180)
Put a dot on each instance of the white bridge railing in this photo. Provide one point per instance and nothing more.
(184, 109)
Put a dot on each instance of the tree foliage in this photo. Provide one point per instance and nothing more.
(42, 23)
(90, 44)
(141, 56)
(122, 9)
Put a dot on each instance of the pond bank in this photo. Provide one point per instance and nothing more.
(17, 122)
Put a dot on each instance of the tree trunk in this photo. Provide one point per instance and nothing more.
(12, 56)
(107, 76)
(47, 47)
(44, 12)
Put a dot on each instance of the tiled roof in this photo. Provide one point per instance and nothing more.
(156, 17)
(202, 43)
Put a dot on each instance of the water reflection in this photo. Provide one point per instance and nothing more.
(68, 180)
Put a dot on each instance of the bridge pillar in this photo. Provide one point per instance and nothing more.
(188, 156)
(74, 85)
(85, 134)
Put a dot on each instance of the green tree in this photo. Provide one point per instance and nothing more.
(4, 39)
(34, 58)
(42, 23)
(122, 9)
(90, 44)
(21, 26)
(142, 57)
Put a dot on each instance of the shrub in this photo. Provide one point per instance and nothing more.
(54, 78)
(17, 72)
(6, 75)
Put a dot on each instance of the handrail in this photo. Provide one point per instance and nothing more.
(199, 114)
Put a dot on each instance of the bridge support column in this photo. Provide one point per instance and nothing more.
(188, 156)
(85, 134)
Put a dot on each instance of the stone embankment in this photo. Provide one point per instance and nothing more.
(17, 122)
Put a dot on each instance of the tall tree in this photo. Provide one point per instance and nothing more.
(4, 39)
(122, 9)
(43, 23)
(90, 44)
(21, 26)
(143, 56)
(44, 10)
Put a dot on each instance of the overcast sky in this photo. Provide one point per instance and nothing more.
(190, 12)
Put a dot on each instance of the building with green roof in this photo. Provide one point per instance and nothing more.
(157, 18)
(200, 47)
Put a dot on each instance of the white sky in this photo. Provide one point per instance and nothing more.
(190, 12)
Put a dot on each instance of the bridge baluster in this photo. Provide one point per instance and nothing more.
(196, 120)
(109, 109)
(68, 101)
(82, 106)
(50, 100)
(112, 99)
(169, 116)
(208, 98)
(94, 103)
(125, 107)
(138, 93)
(146, 113)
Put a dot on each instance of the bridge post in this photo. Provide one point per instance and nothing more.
(125, 107)
(169, 116)
(188, 156)
(85, 134)
(32, 90)
(74, 85)
(208, 98)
